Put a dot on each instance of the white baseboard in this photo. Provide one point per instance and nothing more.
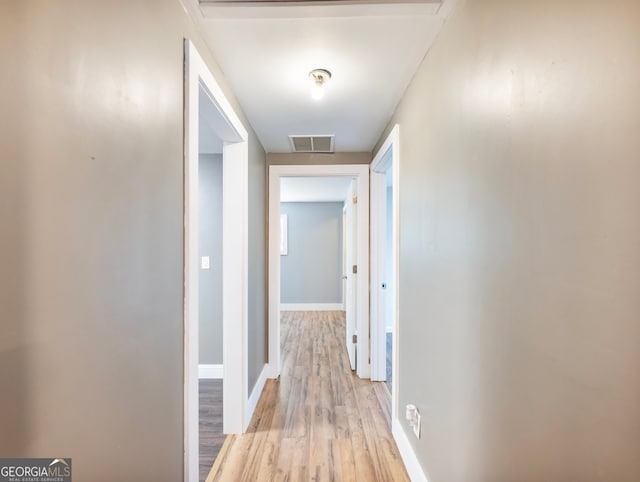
(414, 469)
(252, 403)
(311, 307)
(270, 371)
(210, 371)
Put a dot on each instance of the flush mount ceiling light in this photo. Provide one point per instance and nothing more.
(318, 77)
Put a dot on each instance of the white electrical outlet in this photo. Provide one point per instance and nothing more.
(412, 415)
(416, 425)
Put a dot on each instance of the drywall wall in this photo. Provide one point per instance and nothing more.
(210, 225)
(257, 339)
(311, 272)
(91, 245)
(300, 158)
(519, 243)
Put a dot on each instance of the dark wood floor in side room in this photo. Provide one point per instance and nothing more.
(211, 436)
(389, 380)
(319, 421)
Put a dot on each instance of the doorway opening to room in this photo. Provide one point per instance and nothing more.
(316, 239)
(306, 266)
(210, 329)
(215, 162)
(384, 266)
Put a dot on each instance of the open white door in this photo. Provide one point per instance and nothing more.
(344, 257)
(380, 279)
(351, 255)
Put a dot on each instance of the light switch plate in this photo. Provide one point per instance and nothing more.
(204, 262)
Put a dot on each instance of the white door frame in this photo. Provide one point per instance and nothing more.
(235, 256)
(381, 162)
(361, 172)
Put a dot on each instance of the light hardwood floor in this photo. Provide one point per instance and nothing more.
(318, 421)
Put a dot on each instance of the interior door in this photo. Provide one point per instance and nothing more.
(379, 278)
(350, 235)
(344, 256)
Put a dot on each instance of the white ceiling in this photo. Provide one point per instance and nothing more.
(372, 51)
(314, 189)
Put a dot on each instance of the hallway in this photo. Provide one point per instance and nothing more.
(319, 421)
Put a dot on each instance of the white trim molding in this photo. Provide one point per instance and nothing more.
(252, 403)
(311, 307)
(314, 9)
(411, 463)
(210, 372)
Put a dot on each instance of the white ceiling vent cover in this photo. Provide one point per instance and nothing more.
(311, 143)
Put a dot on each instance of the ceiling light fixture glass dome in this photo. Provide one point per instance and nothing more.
(319, 77)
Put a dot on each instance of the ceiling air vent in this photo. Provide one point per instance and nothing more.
(311, 143)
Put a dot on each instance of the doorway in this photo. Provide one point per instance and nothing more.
(312, 231)
(210, 329)
(385, 324)
(202, 90)
(320, 235)
(360, 268)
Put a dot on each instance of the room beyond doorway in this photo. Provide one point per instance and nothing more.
(361, 303)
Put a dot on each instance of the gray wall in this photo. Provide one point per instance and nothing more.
(317, 158)
(312, 271)
(258, 339)
(91, 209)
(210, 349)
(519, 250)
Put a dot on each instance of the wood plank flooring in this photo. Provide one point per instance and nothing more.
(318, 422)
(211, 436)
